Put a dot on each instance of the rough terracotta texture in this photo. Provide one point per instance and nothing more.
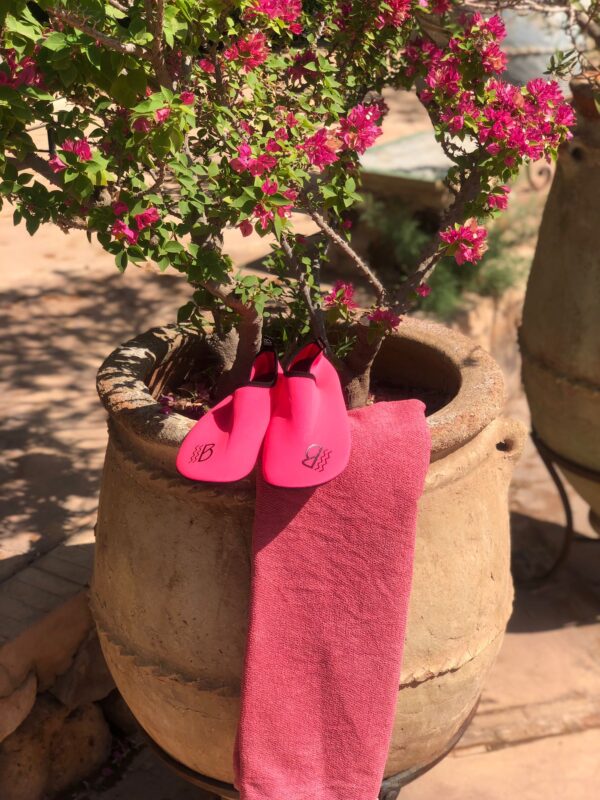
(46, 648)
(53, 749)
(171, 581)
(15, 707)
(560, 335)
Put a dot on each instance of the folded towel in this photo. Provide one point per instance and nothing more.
(331, 577)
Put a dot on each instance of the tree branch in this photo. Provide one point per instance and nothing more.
(431, 252)
(361, 265)
(249, 340)
(39, 165)
(80, 24)
(315, 314)
(155, 12)
(119, 6)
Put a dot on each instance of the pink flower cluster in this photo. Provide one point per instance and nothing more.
(80, 147)
(357, 131)
(467, 242)
(22, 72)
(342, 294)
(524, 122)
(246, 162)
(161, 115)
(395, 14)
(145, 219)
(285, 10)
(498, 200)
(385, 317)
(507, 120)
(321, 148)
(250, 51)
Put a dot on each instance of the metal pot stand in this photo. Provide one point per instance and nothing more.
(390, 788)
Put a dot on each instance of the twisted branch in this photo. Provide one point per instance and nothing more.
(316, 317)
(361, 265)
(81, 24)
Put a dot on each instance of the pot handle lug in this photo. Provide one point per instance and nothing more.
(511, 438)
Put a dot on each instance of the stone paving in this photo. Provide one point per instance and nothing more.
(64, 307)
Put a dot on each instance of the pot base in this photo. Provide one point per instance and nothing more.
(390, 789)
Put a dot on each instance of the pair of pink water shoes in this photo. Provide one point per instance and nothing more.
(297, 415)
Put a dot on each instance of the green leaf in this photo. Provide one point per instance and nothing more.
(126, 89)
(56, 41)
(32, 224)
(186, 311)
(121, 260)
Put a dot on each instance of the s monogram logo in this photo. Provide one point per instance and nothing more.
(316, 457)
(202, 452)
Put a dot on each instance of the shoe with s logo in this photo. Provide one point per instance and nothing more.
(308, 439)
(223, 445)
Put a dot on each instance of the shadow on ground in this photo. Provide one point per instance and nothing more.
(53, 428)
(571, 597)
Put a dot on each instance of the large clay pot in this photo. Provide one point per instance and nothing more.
(560, 334)
(171, 580)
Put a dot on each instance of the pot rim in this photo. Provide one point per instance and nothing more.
(136, 417)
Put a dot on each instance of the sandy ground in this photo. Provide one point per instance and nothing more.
(64, 307)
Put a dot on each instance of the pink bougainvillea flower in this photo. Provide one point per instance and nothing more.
(146, 218)
(263, 215)
(21, 72)
(321, 148)
(494, 59)
(246, 227)
(243, 159)
(499, 201)
(56, 164)
(80, 147)
(162, 114)
(285, 10)
(395, 14)
(423, 290)
(466, 242)
(251, 51)
(359, 129)
(291, 194)
(273, 147)
(264, 163)
(187, 98)
(285, 212)
(142, 125)
(119, 208)
(120, 230)
(347, 224)
(269, 187)
(342, 294)
(384, 317)
(206, 66)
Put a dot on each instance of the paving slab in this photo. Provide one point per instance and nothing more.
(557, 768)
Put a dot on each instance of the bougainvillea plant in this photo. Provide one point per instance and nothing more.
(169, 121)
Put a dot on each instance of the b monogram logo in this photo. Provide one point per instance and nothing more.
(202, 452)
(316, 457)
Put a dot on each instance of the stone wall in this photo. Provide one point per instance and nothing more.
(53, 728)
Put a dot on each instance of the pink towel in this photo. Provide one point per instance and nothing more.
(332, 569)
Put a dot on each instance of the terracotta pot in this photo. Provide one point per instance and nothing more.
(171, 580)
(560, 334)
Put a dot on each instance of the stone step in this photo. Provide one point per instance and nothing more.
(44, 620)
